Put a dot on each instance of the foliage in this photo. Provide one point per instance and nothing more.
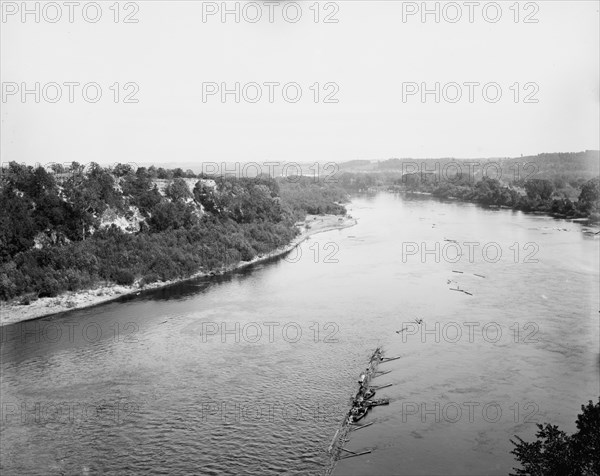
(306, 195)
(539, 195)
(590, 195)
(178, 190)
(181, 232)
(539, 189)
(559, 454)
(124, 277)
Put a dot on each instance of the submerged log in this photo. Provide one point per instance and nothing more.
(377, 374)
(357, 454)
(333, 441)
(358, 427)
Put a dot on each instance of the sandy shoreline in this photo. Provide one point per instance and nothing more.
(13, 313)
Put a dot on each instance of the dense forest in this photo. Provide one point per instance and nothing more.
(71, 229)
(562, 185)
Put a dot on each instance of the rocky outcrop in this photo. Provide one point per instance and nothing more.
(129, 223)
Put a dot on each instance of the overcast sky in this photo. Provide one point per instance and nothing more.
(369, 53)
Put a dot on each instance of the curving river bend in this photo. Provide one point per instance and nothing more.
(252, 373)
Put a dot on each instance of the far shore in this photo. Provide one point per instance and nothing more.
(12, 313)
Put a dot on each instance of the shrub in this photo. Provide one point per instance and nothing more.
(557, 453)
(149, 278)
(49, 287)
(27, 299)
(123, 277)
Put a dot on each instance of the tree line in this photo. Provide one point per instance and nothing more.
(555, 452)
(530, 195)
(55, 235)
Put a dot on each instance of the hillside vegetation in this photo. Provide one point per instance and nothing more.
(67, 230)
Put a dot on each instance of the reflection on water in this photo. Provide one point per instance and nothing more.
(252, 373)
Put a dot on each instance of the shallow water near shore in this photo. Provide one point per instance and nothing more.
(251, 373)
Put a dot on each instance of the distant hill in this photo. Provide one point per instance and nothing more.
(356, 164)
(567, 166)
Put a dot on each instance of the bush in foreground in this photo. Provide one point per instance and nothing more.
(557, 454)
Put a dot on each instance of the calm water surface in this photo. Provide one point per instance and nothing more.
(251, 374)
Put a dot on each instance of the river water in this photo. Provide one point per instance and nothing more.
(252, 373)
